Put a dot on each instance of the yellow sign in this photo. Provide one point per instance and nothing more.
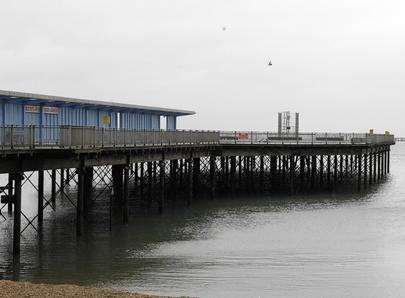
(105, 120)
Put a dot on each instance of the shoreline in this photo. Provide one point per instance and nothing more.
(10, 288)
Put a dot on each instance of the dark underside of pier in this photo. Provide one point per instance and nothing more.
(154, 177)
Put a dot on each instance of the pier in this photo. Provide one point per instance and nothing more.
(152, 168)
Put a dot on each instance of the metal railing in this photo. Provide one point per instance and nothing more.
(23, 137)
(254, 137)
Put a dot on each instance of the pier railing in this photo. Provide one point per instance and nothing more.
(22, 137)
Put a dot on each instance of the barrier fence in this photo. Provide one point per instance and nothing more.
(16, 137)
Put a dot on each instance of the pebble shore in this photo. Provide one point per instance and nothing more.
(26, 289)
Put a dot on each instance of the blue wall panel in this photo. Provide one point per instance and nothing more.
(13, 114)
(171, 123)
(92, 117)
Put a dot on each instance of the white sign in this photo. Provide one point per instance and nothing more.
(32, 109)
(51, 110)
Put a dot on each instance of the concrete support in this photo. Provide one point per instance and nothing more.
(378, 166)
(17, 177)
(40, 198)
(388, 160)
(125, 210)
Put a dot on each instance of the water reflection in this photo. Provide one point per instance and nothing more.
(324, 244)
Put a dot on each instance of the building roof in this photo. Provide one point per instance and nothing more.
(60, 100)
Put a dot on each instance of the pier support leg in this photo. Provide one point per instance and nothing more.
(117, 177)
(273, 171)
(142, 182)
(150, 181)
(161, 185)
(10, 193)
(212, 176)
(375, 167)
(68, 177)
(388, 160)
(80, 199)
(378, 166)
(328, 171)
(17, 177)
(88, 189)
(53, 188)
(302, 171)
(62, 182)
(125, 210)
(313, 171)
(346, 165)
(40, 198)
(321, 168)
(190, 182)
(284, 169)
(233, 173)
(365, 171)
(292, 174)
(359, 167)
(370, 168)
(335, 170)
(240, 171)
(196, 174)
(261, 173)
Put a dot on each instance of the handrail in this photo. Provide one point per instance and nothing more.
(30, 137)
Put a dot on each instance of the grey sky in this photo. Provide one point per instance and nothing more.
(341, 64)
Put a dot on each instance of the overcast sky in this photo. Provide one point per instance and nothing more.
(341, 64)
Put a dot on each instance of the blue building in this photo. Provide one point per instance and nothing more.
(24, 109)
